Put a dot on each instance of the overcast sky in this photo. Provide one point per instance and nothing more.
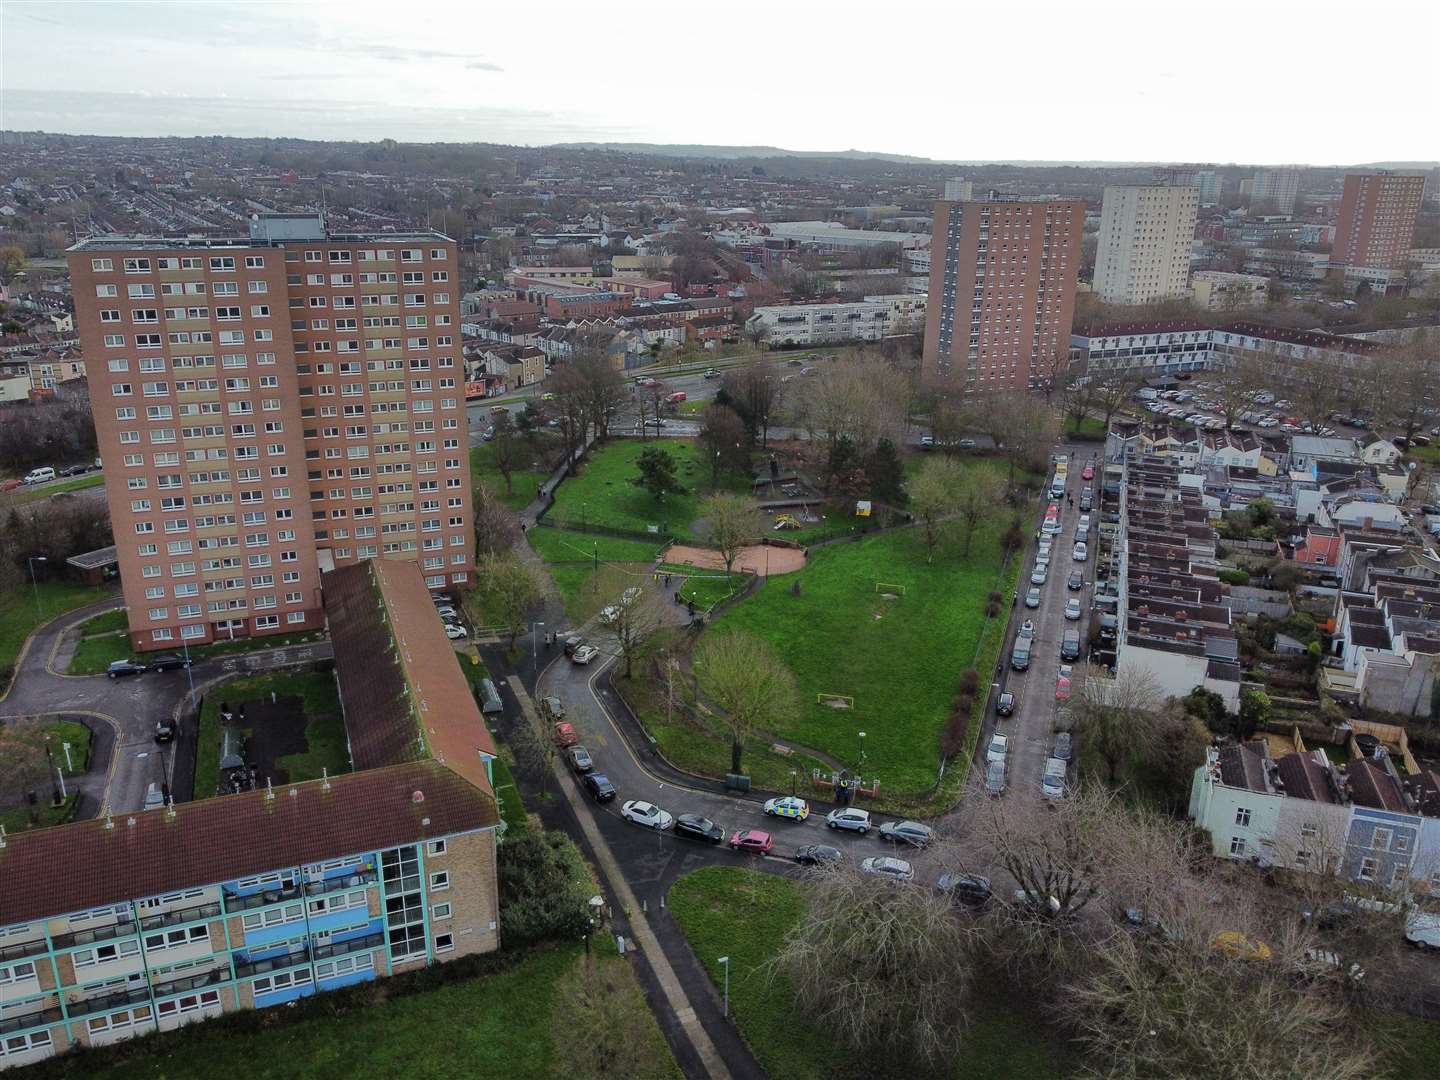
(1255, 81)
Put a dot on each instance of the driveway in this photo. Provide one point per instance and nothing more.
(123, 712)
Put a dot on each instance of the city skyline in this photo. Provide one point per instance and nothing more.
(192, 69)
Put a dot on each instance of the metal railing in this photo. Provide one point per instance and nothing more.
(108, 1001)
(246, 968)
(263, 899)
(192, 982)
(340, 948)
(350, 881)
(22, 950)
(180, 915)
(28, 1020)
(90, 937)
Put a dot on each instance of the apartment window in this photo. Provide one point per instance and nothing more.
(1368, 866)
(174, 939)
(282, 980)
(17, 973)
(435, 847)
(102, 265)
(444, 943)
(104, 954)
(439, 881)
(1242, 817)
(1237, 847)
(1381, 839)
(254, 262)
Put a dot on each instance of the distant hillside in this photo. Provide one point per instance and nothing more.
(701, 151)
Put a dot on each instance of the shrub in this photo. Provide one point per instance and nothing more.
(970, 682)
(957, 728)
(544, 887)
(1234, 577)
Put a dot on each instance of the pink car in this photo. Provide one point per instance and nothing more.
(752, 841)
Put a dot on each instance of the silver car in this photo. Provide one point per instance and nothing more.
(852, 819)
(995, 778)
(885, 866)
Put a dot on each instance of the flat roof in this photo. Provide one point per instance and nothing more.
(119, 242)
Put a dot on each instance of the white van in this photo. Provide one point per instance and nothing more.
(1422, 929)
(40, 475)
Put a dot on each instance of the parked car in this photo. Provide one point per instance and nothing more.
(1085, 501)
(1087, 473)
(1072, 609)
(1081, 552)
(788, 806)
(1062, 684)
(711, 373)
(1032, 598)
(927, 442)
(1027, 629)
(1005, 704)
(907, 832)
(1076, 581)
(752, 842)
(11, 484)
(168, 661)
(966, 444)
(564, 735)
(583, 654)
(571, 642)
(999, 746)
(1062, 746)
(456, 632)
(552, 709)
(154, 797)
(75, 470)
(1023, 898)
(819, 855)
(164, 729)
(1070, 643)
(647, 814)
(118, 669)
(1037, 576)
(995, 778)
(886, 867)
(695, 827)
(1052, 782)
(972, 890)
(1020, 655)
(39, 476)
(598, 786)
(580, 760)
(609, 614)
(850, 818)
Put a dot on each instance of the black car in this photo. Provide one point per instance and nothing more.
(598, 786)
(819, 855)
(1005, 704)
(1076, 581)
(168, 662)
(164, 729)
(972, 890)
(907, 832)
(695, 827)
(74, 470)
(120, 668)
(1070, 645)
(1108, 625)
(571, 643)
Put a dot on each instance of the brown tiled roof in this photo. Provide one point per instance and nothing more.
(85, 865)
(399, 673)
(1304, 778)
(1373, 787)
(1243, 766)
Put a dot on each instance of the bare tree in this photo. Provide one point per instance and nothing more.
(752, 687)
(1411, 390)
(884, 969)
(508, 590)
(505, 449)
(629, 605)
(497, 527)
(755, 392)
(572, 405)
(1233, 386)
(724, 441)
(23, 762)
(1114, 391)
(933, 498)
(601, 1007)
(1114, 718)
(1020, 423)
(732, 522)
(1078, 399)
(604, 389)
(977, 495)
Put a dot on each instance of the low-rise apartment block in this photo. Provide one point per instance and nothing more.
(1216, 290)
(870, 319)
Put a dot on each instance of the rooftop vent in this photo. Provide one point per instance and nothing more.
(417, 797)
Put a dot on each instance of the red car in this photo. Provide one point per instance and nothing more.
(565, 734)
(1062, 685)
(752, 841)
(1088, 473)
(9, 485)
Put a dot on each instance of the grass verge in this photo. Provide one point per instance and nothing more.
(571, 558)
(705, 587)
(18, 616)
(744, 914)
(17, 818)
(80, 483)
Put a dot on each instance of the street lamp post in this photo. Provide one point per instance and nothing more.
(190, 678)
(35, 583)
(534, 647)
(726, 961)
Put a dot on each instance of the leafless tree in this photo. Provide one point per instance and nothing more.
(630, 606)
(1114, 391)
(884, 968)
(1114, 718)
(601, 1007)
(572, 408)
(724, 441)
(756, 393)
(1411, 374)
(507, 591)
(1232, 387)
(1078, 399)
(977, 496)
(23, 762)
(505, 449)
(732, 522)
(1020, 423)
(604, 389)
(750, 685)
(497, 527)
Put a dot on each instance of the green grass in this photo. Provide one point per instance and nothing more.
(900, 660)
(604, 493)
(1090, 429)
(17, 611)
(512, 807)
(525, 483)
(79, 738)
(108, 622)
(706, 587)
(570, 558)
(17, 818)
(744, 914)
(94, 654)
(80, 483)
(324, 728)
(1414, 1045)
(501, 1025)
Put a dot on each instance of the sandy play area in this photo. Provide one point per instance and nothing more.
(782, 560)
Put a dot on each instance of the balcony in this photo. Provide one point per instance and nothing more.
(90, 937)
(29, 1020)
(350, 881)
(340, 948)
(262, 899)
(22, 950)
(246, 968)
(109, 1001)
(180, 915)
(191, 982)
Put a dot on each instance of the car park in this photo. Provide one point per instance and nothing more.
(752, 842)
(907, 832)
(164, 729)
(598, 786)
(695, 827)
(1062, 746)
(583, 654)
(1032, 598)
(580, 760)
(850, 819)
(647, 814)
(887, 867)
(819, 855)
(999, 746)
(995, 778)
(1005, 704)
(788, 806)
(118, 669)
(563, 733)
(456, 632)
(446, 609)
(1072, 609)
(168, 662)
(972, 890)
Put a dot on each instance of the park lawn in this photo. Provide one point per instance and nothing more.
(1090, 429)
(251, 644)
(745, 914)
(705, 587)
(17, 611)
(503, 1024)
(324, 727)
(571, 558)
(900, 660)
(525, 483)
(1412, 1045)
(604, 492)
